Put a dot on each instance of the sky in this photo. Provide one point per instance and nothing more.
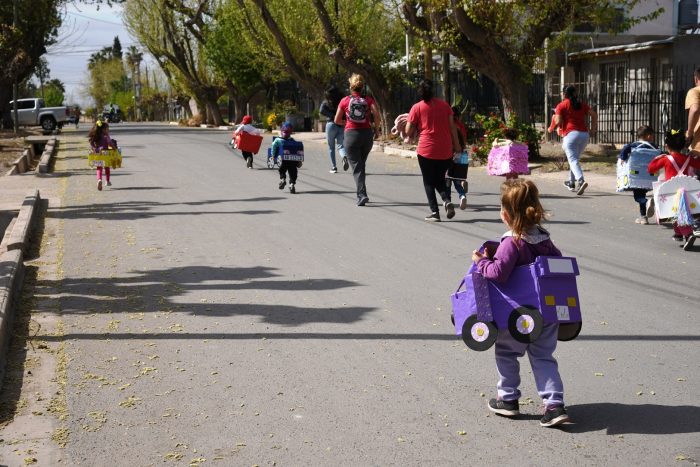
(85, 30)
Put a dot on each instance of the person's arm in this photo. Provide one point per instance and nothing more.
(656, 164)
(693, 118)
(326, 110)
(501, 266)
(594, 121)
(338, 120)
(625, 153)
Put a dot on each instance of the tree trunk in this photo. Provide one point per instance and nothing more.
(514, 95)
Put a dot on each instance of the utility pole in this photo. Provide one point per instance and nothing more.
(15, 23)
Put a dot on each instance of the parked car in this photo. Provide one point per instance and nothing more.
(33, 112)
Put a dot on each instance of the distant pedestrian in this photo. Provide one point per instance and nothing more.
(508, 157)
(246, 126)
(77, 116)
(645, 139)
(457, 173)
(570, 115)
(522, 213)
(334, 132)
(100, 141)
(286, 166)
(692, 104)
(431, 119)
(362, 121)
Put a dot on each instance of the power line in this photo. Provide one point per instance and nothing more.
(95, 19)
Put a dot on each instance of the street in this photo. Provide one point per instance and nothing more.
(209, 318)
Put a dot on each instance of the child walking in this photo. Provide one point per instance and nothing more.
(100, 140)
(495, 158)
(457, 173)
(286, 166)
(645, 137)
(675, 163)
(246, 126)
(522, 212)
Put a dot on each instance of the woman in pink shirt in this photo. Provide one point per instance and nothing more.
(570, 116)
(361, 119)
(431, 118)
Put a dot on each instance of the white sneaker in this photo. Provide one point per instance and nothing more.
(463, 203)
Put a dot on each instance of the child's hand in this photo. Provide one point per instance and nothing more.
(477, 255)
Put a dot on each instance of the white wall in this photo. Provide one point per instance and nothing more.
(662, 26)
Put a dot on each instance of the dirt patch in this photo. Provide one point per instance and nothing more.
(12, 145)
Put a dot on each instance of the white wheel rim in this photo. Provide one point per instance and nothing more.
(480, 332)
(525, 324)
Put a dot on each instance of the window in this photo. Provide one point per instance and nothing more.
(613, 83)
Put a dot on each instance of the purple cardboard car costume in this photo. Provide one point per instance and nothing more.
(538, 293)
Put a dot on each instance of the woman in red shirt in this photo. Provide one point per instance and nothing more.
(570, 116)
(354, 112)
(431, 118)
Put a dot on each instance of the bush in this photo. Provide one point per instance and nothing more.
(494, 127)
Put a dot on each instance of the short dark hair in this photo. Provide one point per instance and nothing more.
(425, 90)
(510, 133)
(697, 72)
(644, 130)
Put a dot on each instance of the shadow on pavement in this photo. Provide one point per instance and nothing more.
(618, 419)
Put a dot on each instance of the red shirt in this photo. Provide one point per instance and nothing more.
(432, 122)
(572, 119)
(662, 162)
(351, 124)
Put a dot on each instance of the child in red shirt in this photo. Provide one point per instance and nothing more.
(674, 164)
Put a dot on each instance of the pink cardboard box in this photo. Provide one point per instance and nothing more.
(508, 158)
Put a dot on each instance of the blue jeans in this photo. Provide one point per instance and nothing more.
(573, 144)
(544, 366)
(335, 134)
(458, 186)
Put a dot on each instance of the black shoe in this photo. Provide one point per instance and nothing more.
(433, 217)
(689, 242)
(678, 238)
(505, 408)
(249, 162)
(346, 164)
(292, 189)
(571, 186)
(581, 187)
(554, 416)
(449, 209)
(282, 184)
(362, 201)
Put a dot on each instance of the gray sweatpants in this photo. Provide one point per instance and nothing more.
(358, 144)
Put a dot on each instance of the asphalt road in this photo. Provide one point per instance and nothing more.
(210, 318)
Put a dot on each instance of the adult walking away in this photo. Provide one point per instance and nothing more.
(334, 132)
(361, 126)
(431, 118)
(570, 115)
(692, 104)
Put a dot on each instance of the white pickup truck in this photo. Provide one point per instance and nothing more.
(32, 112)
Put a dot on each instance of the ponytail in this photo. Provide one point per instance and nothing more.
(571, 94)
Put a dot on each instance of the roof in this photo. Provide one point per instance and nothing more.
(621, 49)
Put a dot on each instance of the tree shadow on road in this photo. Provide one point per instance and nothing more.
(618, 419)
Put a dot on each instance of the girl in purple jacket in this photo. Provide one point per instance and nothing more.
(522, 212)
(100, 140)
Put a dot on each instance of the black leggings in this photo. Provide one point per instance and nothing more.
(433, 171)
(290, 166)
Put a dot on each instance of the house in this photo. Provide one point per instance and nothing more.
(635, 78)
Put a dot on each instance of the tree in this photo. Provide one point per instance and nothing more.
(133, 60)
(168, 35)
(116, 48)
(23, 44)
(502, 39)
(54, 93)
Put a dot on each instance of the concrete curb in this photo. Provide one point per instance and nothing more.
(49, 152)
(11, 279)
(19, 237)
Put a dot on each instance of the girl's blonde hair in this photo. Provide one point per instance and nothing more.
(520, 199)
(357, 83)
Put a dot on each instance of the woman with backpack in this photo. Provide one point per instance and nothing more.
(361, 118)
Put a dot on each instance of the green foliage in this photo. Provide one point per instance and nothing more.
(494, 128)
(53, 93)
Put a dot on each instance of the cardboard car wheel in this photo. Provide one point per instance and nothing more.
(525, 324)
(569, 331)
(270, 163)
(479, 335)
